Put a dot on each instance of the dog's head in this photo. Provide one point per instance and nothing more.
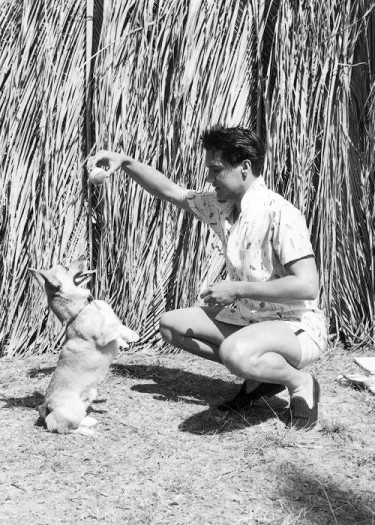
(62, 284)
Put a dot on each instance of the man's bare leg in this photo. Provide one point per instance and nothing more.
(267, 352)
(196, 331)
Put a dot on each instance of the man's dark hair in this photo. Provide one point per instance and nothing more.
(236, 144)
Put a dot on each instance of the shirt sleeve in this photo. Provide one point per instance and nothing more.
(291, 238)
(202, 204)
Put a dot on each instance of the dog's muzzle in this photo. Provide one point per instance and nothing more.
(83, 277)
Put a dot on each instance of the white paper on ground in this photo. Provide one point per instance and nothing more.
(367, 363)
(367, 382)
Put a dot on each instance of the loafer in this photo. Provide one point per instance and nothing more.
(244, 399)
(302, 417)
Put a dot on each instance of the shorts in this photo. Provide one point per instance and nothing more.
(310, 351)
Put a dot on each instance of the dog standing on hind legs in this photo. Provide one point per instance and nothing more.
(92, 339)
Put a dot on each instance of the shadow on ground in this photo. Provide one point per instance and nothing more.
(212, 421)
(41, 372)
(30, 401)
(322, 501)
(171, 384)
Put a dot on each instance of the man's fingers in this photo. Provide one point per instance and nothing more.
(109, 173)
(100, 159)
(212, 302)
(90, 163)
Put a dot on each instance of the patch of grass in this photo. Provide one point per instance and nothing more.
(334, 427)
(260, 449)
(369, 400)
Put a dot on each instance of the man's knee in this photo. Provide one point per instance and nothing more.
(238, 356)
(166, 326)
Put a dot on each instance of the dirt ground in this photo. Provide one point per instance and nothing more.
(162, 453)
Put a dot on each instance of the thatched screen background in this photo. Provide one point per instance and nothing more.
(301, 73)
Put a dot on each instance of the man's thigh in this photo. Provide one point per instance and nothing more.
(267, 336)
(199, 323)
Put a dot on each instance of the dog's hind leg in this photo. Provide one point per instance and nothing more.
(65, 417)
(57, 422)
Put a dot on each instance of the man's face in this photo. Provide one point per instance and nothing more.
(224, 177)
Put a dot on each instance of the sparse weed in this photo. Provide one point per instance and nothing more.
(334, 428)
(265, 443)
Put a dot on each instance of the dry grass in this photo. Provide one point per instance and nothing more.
(162, 454)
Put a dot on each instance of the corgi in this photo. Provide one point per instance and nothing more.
(92, 339)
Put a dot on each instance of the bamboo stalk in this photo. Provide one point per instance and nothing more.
(88, 110)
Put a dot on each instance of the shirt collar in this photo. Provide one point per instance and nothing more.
(257, 185)
(253, 191)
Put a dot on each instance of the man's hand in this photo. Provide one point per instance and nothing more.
(222, 293)
(106, 159)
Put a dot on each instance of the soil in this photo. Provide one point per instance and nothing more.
(163, 454)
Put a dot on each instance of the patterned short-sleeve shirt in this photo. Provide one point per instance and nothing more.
(268, 233)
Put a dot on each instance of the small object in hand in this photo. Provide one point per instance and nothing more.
(97, 176)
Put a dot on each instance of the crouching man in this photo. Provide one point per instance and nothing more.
(263, 322)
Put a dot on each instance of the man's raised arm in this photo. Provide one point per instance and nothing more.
(148, 177)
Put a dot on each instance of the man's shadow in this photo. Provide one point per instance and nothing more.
(173, 384)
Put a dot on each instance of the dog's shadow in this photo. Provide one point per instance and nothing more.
(173, 384)
(36, 373)
(32, 401)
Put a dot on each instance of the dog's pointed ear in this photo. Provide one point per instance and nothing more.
(44, 278)
(37, 274)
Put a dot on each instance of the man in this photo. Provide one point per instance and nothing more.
(262, 322)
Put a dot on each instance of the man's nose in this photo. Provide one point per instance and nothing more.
(210, 177)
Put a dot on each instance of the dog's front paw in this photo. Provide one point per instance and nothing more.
(122, 343)
(128, 335)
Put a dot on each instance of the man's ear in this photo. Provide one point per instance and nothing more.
(246, 168)
(44, 278)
